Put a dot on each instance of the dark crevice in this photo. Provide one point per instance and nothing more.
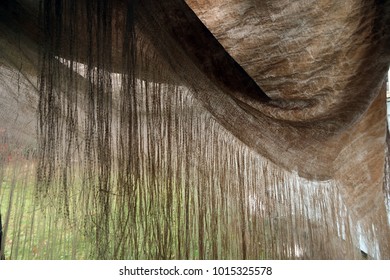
(200, 45)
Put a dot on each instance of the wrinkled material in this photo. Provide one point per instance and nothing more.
(203, 129)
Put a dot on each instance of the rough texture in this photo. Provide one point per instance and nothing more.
(260, 118)
(335, 105)
(305, 54)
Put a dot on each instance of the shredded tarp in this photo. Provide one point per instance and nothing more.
(123, 138)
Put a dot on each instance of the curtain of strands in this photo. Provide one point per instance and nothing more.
(130, 165)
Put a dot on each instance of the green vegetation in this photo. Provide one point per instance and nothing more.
(143, 218)
(33, 228)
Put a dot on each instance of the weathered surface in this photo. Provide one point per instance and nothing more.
(307, 130)
(315, 56)
(308, 103)
(323, 64)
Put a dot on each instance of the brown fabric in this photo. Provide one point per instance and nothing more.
(259, 133)
(321, 63)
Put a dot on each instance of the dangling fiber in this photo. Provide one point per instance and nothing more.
(133, 159)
